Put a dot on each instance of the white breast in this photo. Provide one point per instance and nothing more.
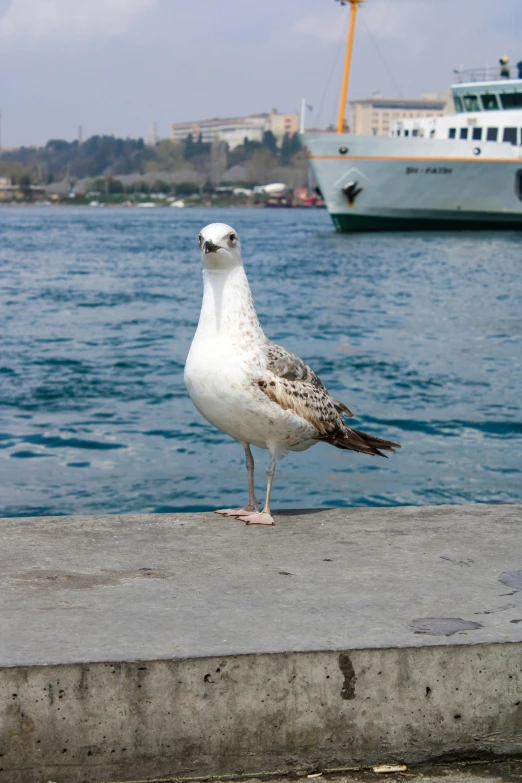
(226, 358)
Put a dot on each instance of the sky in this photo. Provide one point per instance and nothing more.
(115, 66)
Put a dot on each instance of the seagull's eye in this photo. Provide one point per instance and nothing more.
(232, 238)
(200, 239)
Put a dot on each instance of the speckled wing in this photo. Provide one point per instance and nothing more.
(293, 385)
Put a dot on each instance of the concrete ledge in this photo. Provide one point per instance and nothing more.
(136, 646)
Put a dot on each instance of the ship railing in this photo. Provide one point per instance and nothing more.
(490, 74)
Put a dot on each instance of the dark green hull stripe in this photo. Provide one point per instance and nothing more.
(344, 222)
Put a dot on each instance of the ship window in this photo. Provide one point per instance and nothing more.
(406, 132)
(511, 100)
(510, 134)
(489, 102)
(452, 133)
(398, 132)
(471, 103)
(463, 133)
(492, 134)
(518, 184)
(458, 103)
(477, 134)
(415, 132)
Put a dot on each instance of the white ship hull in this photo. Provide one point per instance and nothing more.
(385, 183)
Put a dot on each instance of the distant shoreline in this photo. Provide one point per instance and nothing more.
(65, 205)
(135, 206)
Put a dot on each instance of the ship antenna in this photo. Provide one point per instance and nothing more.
(348, 57)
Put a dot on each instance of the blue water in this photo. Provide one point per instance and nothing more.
(420, 335)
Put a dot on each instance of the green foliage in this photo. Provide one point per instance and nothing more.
(239, 155)
(12, 169)
(261, 166)
(197, 148)
(168, 156)
(106, 158)
(290, 146)
(24, 182)
(95, 156)
(59, 145)
(159, 186)
(139, 187)
(270, 141)
(187, 189)
(108, 185)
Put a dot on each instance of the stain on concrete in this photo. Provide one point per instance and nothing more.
(348, 672)
(42, 578)
(512, 579)
(442, 626)
(497, 609)
(466, 563)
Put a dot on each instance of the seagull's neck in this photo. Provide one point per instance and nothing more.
(228, 311)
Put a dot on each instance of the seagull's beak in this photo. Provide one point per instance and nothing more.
(209, 246)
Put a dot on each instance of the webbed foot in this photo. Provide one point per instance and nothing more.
(258, 518)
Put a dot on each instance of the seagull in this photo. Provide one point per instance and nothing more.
(252, 389)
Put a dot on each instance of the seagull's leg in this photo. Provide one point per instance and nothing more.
(263, 517)
(253, 502)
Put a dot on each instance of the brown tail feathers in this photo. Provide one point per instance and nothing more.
(355, 440)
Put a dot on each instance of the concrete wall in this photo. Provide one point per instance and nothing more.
(179, 645)
(258, 713)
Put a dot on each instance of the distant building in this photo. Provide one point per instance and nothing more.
(234, 130)
(10, 192)
(373, 116)
(153, 136)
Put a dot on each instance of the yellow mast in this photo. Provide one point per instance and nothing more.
(347, 60)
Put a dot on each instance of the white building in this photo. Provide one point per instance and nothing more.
(234, 130)
(373, 116)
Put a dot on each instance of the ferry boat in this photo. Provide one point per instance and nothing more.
(458, 171)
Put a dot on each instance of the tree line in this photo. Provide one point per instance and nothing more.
(109, 156)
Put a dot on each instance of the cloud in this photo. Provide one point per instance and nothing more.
(417, 26)
(422, 44)
(41, 21)
(325, 29)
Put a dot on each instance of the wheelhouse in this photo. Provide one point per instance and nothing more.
(485, 111)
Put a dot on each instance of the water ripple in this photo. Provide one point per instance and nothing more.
(420, 335)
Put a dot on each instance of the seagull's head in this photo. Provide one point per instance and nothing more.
(220, 247)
